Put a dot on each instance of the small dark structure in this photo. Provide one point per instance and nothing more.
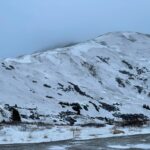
(15, 115)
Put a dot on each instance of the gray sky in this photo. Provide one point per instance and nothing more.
(31, 25)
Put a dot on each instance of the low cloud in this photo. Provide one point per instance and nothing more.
(30, 25)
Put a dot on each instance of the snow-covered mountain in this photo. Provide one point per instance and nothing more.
(88, 82)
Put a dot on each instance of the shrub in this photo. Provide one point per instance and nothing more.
(146, 107)
(133, 119)
(127, 64)
(118, 132)
(120, 82)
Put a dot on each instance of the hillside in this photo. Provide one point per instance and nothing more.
(92, 82)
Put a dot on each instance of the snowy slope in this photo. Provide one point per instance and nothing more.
(86, 82)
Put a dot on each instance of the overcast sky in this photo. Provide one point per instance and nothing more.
(31, 25)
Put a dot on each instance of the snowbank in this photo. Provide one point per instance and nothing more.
(35, 134)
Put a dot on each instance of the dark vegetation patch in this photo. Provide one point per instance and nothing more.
(97, 125)
(33, 91)
(11, 67)
(24, 116)
(7, 106)
(71, 121)
(85, 107)
(100, 82)
(146, 107)
(73, 87)
(63, 104)
(46, 85)
(75, 106)
(139, 88)
(120, 82)
(65, 89)
(131, 78)
(104, 59)
(100, 118)
(63, 114)
(148, 94)
(127, 73)
(34, 115)
(128, 82)
(143, 79)
(8, 67)
(34, 81)
(95, 106)
(78, 90)
(16, 116)
(109, 107)
(90, 67)
(117, 104)
(106, 119)
(141, 70)
(133, 119)
(105, 106)
(68, 116)
(109, 121)
(50, 97)
(59, 94)
(127, 64)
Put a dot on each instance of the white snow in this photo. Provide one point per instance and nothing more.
(36, 134)
(119, 146)
(58, 148)
(81, 74)
(129, 146)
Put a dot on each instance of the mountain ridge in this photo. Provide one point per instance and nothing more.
(94, 81)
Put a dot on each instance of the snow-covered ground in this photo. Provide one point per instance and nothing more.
(35, 134)
(95, 82)
(131, 146)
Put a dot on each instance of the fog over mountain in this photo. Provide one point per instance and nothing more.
(30, 25)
